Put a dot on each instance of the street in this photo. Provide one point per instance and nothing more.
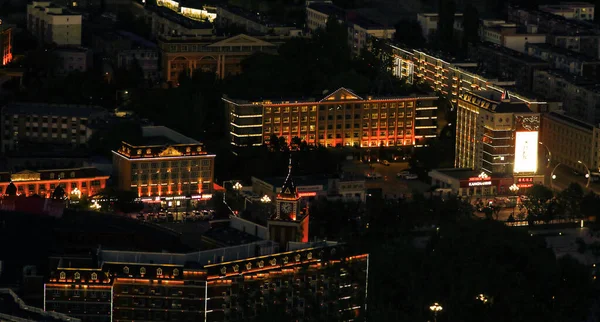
(564, 177)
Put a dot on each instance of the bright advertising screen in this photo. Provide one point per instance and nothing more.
(526, 150)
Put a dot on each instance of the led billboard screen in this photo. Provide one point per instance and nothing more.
(526, 150)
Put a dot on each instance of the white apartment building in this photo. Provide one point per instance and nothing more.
(571, 10)
(53, 24)
(71, 59)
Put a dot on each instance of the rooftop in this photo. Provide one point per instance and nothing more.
(500, 105)
(161, 135)
(257, 17)
(180, 19)
(43, 109)
(563, 52)
(512, 53)
(328, 9)
(567, 119)
(366, 23)
(140, 41)
(226, 235)
(457, 173)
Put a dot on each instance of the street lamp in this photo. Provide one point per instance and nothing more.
(549, 154)
(514, 189)
(588, 175)
(483, 298)
(553, 176)
(237, 186)
(435, 308)
(265, 199)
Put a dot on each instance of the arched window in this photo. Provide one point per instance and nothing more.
(94, 276)
(176, 272)
(159, 271)
(142, 270)
(77, 275)
(126, 270)
(63, 275)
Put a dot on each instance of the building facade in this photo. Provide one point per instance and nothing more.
(6, 41)
(73, 59)
(465, 182)
(318, 12)
(45, 123)
(452, 78)
(495, 134)
(580, 96)
(52, 24)
(240, 283)
(222, 55)
(509, 35)
(346, 188)
(165, 167)
(84, 181)
(571, 140)
(566, 60)
(429, 24)
(146, 58)
(361, 30)
(342, 118)
(571, 10)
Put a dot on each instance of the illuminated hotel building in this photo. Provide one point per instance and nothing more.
(317, 281)
(165, 166)
(88, 181)
(342, 118)
(489, 128)
(6, 42)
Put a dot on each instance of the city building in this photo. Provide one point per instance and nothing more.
(347, 188)
(222, 55)
(166, 22)
(566, 60)
(342, 118)
(572, 142)
(12, 308)
(6, 43)
(52, 24)
(84, 181)
(496, 134)
(577, 35)
(71, 59)
(507, 63)
(361, 29)
(509, 35)
(24, 123)
(142, 52)
(580, 96)
(254, 23)
(200, 12)
(452, 78)
(165, 167)
(466, 182)
(429, 24)
(318, 12)
(309, 281)
(571, 10)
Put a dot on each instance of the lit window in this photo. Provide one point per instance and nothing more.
(94, 276)
(77, 275)
(63, 275)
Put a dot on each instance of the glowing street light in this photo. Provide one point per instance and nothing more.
(76, 193)
(483, 298)
(435, 308)
(588, 176)
(265, 199)
(237, 186)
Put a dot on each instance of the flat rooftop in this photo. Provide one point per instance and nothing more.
(161, 135)
(229, 236)
(567, 119)
(328, 9)
(512, 53)
(43, 109)
(180, 19)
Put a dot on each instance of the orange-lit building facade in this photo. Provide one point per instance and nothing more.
(165, 169)
(324, 282)
(6, 42)
(342, 118)
(88, 181)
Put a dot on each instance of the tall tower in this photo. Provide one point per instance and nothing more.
(290, 222)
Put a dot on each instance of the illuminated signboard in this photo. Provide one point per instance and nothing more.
(481, 180)
(525, 182)
(307, 194)
(526, 152)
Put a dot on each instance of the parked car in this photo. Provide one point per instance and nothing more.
(411, 176)
(402, 174)
(385, 162)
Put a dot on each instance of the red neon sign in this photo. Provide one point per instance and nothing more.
(307, 194)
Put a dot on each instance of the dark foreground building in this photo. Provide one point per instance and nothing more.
(321, 281)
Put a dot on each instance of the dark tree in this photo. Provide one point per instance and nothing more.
(445, 27)
(410, 33)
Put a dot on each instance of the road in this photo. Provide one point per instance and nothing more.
(390, 185)
(565, 176)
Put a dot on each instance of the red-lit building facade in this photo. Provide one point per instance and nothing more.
(87, 181)
(466, 182)
(6, 41)
(341, 118)
(317, 282)
(166, 167)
